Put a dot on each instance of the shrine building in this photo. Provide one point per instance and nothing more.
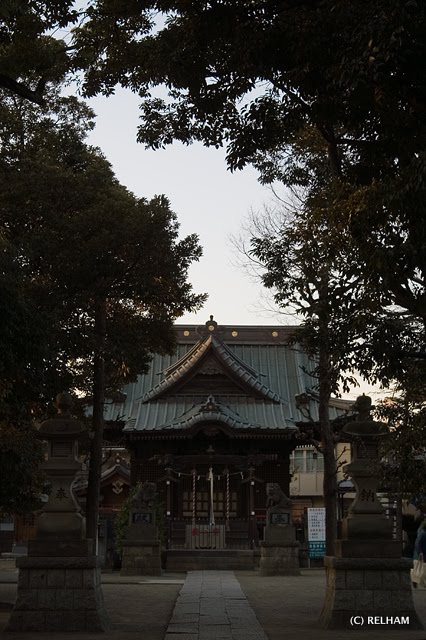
(215, 422)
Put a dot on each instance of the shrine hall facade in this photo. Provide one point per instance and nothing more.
(214, 423)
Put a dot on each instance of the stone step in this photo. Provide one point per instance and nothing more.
(200, 566)
(187, 560)
(211, 553)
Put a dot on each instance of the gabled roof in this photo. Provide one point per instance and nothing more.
(212, 412)
(254, 374)
(187, 366)
(120, 469)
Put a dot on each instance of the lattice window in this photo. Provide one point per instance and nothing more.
(219, 504)
(202, 504)
(187, 503)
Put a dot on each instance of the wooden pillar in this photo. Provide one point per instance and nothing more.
(168, 498)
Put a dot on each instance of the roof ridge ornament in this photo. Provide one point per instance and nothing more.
(211, 324)
(210, 327)
(210, 405)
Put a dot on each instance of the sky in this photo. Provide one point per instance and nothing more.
(208, 199)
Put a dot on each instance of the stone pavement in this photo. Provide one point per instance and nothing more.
(212, 606)
(278, 608)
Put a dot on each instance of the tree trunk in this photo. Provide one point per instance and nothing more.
(327, 439)
(94, 480)
(330, 477)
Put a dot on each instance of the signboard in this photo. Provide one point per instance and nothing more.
(142, 518)
(316, 532)
(280, 518)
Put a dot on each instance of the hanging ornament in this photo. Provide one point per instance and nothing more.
(193, 497)
(210, 478)
(228, 501)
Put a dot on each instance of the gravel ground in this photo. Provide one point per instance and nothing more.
(286, 607)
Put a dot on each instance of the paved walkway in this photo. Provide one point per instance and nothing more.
(239, 605)
(212, 606)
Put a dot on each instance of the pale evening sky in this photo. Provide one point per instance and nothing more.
(208, 200)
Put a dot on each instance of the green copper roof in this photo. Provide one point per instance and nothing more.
(271, 373)
(226, 356)
(210, 412)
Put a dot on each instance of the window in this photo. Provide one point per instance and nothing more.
(306, 461)
(297, 463)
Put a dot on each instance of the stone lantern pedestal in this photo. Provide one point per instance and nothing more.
(279, 548)
(141, 547)
(59, 586)
(368, 583)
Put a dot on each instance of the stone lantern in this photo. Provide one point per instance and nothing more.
(366, 521)
(59, 585)
(368, 583)
(61, 515)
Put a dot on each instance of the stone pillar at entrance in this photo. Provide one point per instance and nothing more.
(367, 580)
(59, 587)
(279, 549)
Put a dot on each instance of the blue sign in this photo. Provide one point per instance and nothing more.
(317, 549)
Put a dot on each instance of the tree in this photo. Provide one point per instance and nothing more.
(314, 273)
(253, 76)
(31, 55)
(404, 451)
(315, 267)
(21, 481)
(256, 76)
(109, 269)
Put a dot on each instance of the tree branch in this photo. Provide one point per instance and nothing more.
(20, 89)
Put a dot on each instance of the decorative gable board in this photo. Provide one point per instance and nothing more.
(211, 374)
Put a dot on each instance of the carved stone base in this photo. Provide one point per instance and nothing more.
(279, 560)
(59, 594)
(141, 558)
(370, 593)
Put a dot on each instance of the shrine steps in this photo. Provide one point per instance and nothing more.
(204, 559)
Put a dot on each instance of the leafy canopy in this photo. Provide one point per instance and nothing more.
(21, 482)
(75, 234)
(268, 79)
(31, 53)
